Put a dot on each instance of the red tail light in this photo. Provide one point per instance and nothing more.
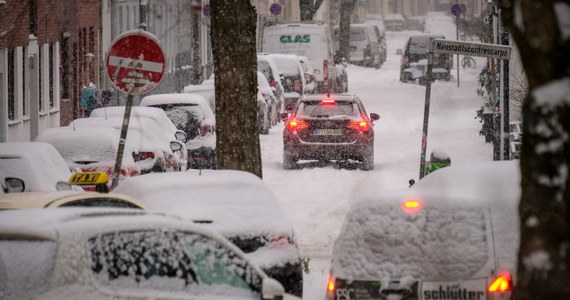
(272, 83)
(360, 125)
(279, 240)
(326, 69)
(330, 284)
(405, 60)
(206, 129)
(296, 124)
(501, 283)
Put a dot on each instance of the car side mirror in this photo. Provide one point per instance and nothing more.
(180, 136)
(63, 186)
(399, 52)
(374, 116)
(175, 146)
(284, 116)
(411, 182)
(271, 289)
(14, 185)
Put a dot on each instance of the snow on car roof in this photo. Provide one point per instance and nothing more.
(145, 133)
(38, 164)
(287, 64)
(156, 114)
(97, 145)
(186, 98)
(234, 201)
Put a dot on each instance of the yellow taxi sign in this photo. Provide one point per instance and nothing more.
(88, 178)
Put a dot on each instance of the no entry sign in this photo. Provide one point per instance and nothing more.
(135, 62)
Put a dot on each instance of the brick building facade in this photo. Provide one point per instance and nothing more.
(48, 52)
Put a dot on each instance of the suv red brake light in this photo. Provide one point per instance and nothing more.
(330, 284)
(501, 283)
(296, 124)
(360, 125)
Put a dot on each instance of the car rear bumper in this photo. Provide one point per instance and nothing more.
(324, 151)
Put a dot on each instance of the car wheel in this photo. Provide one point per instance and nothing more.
(447, 76)
(289, 161)
(368, 162)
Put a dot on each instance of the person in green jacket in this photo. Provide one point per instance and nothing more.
(438, 159)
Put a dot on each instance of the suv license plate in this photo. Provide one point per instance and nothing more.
(327, 131)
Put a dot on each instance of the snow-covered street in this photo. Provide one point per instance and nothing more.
(317, 197)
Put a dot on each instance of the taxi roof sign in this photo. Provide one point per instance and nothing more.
(88, 178)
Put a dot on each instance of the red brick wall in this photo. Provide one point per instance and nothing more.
(54, 17)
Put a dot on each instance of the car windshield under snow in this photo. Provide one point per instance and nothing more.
(186, 117)
(357, 34)
(316, 109)
(438, 243)
(171, 261)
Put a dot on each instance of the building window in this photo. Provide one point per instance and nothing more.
(92, 51)
(64, 68)
(51, 74)
(25, 99)
(11, 84)
(33, 7)
(40, 77)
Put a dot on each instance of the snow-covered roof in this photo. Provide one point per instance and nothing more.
(287, 64)
(235, 201)
(38, 164)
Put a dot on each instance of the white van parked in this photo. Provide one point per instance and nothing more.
(312, 40)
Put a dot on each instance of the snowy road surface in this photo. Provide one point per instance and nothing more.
(317, 198)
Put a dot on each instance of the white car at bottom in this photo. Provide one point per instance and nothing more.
(92, 253)
(436, 240)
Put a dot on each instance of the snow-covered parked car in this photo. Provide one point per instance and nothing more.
(234, 203)
(158, 116)
(94, 149)
(292, 76)
(39, 165)
(190, 113)
(102, 253)
(267, 66)
(451, 236)
(268, 95)
(149, 143)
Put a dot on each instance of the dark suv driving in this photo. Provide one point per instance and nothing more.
(329, 127)
(414, 59)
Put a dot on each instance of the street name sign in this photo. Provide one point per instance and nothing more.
(135, 62)
(471, 49)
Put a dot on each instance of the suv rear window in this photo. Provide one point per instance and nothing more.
(439, 242)
(315, 109)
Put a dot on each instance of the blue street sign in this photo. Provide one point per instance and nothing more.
(456, 9)
(275, 9)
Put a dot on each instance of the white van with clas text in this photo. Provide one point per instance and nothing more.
(312, 40)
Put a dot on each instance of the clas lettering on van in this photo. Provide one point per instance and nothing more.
(286, 38)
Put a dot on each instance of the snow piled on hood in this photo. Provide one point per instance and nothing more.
(235, 202)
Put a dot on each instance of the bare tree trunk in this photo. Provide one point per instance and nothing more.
(346, 7)
(309, 8)
(544, 253)
(233, 44)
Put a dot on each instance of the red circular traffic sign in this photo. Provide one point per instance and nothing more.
(275, 9)
(135, 62)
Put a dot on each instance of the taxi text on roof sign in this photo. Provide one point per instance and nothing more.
(88, 178)
(472, 49)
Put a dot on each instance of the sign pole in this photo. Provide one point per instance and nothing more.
(457, 38)
(426, 113)
(122, 141)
